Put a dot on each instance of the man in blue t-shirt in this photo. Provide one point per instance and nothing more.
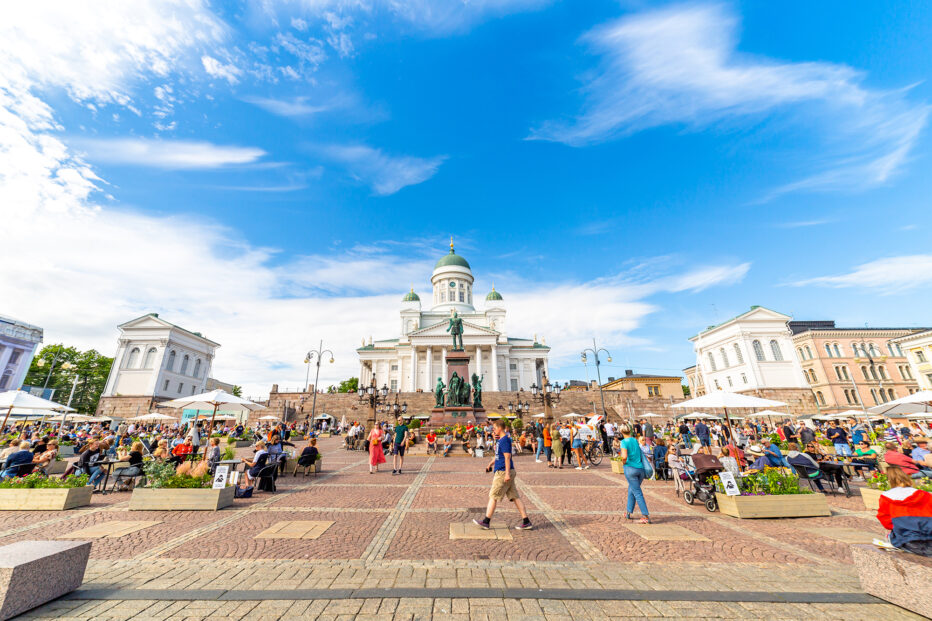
(702, 432)
(399, 445)
(772, 453)
(503, 482)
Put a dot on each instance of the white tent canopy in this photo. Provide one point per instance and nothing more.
(651, 415)
(910, 404)
(725, 399)
(268, 417)
(770, 413)
(153, 417)
(12, 400)
(701, 416)
(541, 415)
(572, 415)
(213, 399)
(323, 416)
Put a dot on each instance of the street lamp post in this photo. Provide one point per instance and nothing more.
(41, 363)
(373, 397)
(595, 353)
(547, 395)
(317, 355)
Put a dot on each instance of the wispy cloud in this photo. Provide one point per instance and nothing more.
(679, 66)
(296, 107)
(217, 69)
(385, 174)
(887, 275)
(798, 224)
(172, 154)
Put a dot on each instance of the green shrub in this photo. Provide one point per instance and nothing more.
(228, 453)
(40, 481)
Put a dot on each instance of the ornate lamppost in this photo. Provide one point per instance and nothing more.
(374, 397)
(547, 395)
(317, 355)
(519, 408)
(595, 353)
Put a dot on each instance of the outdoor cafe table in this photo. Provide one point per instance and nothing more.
(108, 463)
(230, 462)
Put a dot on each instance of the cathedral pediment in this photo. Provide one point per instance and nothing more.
(440, 329)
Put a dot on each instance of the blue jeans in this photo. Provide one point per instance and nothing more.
(705, 441)
(97, 473)
(634, 477)
(540, 447)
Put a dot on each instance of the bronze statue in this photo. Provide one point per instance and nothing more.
(476, 391)
(438, 392)
(455, 328)
(453, 390)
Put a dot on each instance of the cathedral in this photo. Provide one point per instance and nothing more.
(413, 361)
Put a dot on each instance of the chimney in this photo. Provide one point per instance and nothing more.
(629, 372)
(611, 379)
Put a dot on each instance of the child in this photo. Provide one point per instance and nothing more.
(503, 482)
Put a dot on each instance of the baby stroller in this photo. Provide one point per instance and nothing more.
(705, 467)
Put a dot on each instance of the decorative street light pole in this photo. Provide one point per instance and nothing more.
(519, 408)
(548, 394)
(315, 355)
(595, 353)
(373, 397)
(41, 363)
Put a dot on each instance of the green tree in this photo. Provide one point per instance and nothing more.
(63, 367)
(685, 390)
(237, 391)
(350, 385)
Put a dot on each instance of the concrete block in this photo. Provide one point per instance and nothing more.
(900, 578)
(35, 572)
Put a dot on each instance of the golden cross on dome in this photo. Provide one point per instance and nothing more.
(451, 244)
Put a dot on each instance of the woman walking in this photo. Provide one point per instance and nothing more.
(376, 452)
(634, 474)
(581, 463)
(557, 446)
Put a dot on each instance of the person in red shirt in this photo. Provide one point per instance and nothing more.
(431, 442)
(909, 465)
(907, 513)
(182, 450)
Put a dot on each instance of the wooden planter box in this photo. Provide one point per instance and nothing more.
(66, 450)
(240, 443)
(150, 499)
(618, 467)
(44, 499)
(325, 434)
(871, 498)
(787, 505)
(57, 466)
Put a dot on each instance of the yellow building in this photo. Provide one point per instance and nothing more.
(648, 386)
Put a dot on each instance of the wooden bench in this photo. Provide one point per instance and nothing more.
(900, 578)
(35, 572)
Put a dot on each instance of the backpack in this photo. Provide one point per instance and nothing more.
(243, 492)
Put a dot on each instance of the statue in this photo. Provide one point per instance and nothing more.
(476, 391)
(464, 391)
(454, 390)
(455, 328)
(438, 392)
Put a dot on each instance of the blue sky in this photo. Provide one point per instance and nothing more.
(278, 172)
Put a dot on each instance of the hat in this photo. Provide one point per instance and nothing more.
(755, 449)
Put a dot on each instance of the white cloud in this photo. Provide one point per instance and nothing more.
(888, 275)
(217, 69)
(295, 107)
(172, 154)
(680, 66)
(385, 174)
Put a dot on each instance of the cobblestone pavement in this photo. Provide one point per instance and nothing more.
(389, 554)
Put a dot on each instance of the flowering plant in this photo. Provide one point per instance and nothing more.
(878, 480)
(40, 481)
(766, 482)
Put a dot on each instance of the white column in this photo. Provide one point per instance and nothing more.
(546, 369)
(413, 368)
(479, 361)
(507, 373)
(430, 369)
(444, 362)
(495, 368)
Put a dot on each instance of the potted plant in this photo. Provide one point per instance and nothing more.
(618, 466)
(185, 489)
(36, 492)
(877, 484)
(770, 493)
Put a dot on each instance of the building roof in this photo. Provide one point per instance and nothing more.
(753, 309)
(411, 296)
(631, 375)
(172, 325)
(493, 295)
(452, 259)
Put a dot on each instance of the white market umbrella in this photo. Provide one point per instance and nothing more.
(494, 416)
(702, 416)
(153, 417)
(18, 399)
(213, 399)
(541, 415)
(910, 404)
(268, 417)
(651, 415)
(572, 415)
(324, 416)
(724, 400)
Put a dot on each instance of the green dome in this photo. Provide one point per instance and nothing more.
(452, 259)
(411, 296)
(494, 295)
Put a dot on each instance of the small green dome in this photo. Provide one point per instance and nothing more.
(411, 296)
(494, 295)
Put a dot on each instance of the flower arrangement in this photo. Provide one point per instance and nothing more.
(878, 481)
(766, 482)
(163, 475)
(39, 481)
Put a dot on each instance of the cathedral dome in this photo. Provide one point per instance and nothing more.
(452, 259)
(493, 295)
(411, 296)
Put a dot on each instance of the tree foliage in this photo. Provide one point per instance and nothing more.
(237, 391)
(350, 385)
(90, 368)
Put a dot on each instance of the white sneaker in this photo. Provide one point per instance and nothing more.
(585, 467)
(537, 460)
(578, 468)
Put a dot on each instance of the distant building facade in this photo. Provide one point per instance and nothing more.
(917, 348)
(648, 385)
(155, 361)
(18, 343)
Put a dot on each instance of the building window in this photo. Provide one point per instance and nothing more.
(150, 358)
(165, 386)
(395, 385)
(394, 367)
(890, 348)
(5, 380)
(891, 394)
(738, 354)
(828, 350)
(844, 372)
(653, 390)
(854, 350)
(184, 365)
(14, 357)
(883, 372)
(724, 357)
(874, 351)
(513, 366)
(808, 352)
(193, 388)
(838, 373)
(820, 397)
(813, 376)
(847, 396)
(920, 356)
(775, 349)
(197, 368)
(717, 387)
(909, 373)
(712, 362)
(514, 385)
(866, 375)
(744, 378)
(171, 361)
(180, 387)
(133, 358)
(730, 384)
(462, 299)
(758, 351)
(874, 397)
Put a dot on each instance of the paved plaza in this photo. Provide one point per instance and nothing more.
(347, 544)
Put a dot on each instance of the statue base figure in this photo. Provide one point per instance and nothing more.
(455, 412)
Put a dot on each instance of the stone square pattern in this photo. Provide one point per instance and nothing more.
(109, 529)
(469, 530)
(296, 529)
(664, 532)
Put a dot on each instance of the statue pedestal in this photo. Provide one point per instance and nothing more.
(457, 362)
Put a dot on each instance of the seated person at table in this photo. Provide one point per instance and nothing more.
(827, 466)
(907, 513)
(729, 462)
(259, 460)
(87, 462)
(309, 454)
(135, 462)
(839, 438)
(447, 443)
(161, 450)
(431, 442)
(45, 458)
(811, 463)
(894, 457)
(921, 452)
(213, 452)
(864, 457)
(773, 454)
(16, 459)
(180, 452)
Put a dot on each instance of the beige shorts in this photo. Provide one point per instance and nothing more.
(502, 488)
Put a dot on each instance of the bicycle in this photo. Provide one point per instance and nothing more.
(592, 452)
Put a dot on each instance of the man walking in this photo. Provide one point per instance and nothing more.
(400, 444)
(503, 481)
(702, 432)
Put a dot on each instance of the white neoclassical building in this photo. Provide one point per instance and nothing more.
(18, 342)
(159, 360)
(417, 357)
(752, 351)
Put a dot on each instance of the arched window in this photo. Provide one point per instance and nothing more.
(808, 352)
(899, 351)
(197, 368)
(724, 357)
(874, 397)
(184, 364)
(150, 358)
(738, 354)
(883, 373)
(847, 396)
(828, 350)
(5, 380)
(821, 398)
(891, 394)
(874, 372)
(132, 359)
(758, 351)
(854, 350)
(874, 352)
(712, 362)
(170, 365)
(890, 348)
(775, 348)
(813, 375)
(799, 352)
(865, 374)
